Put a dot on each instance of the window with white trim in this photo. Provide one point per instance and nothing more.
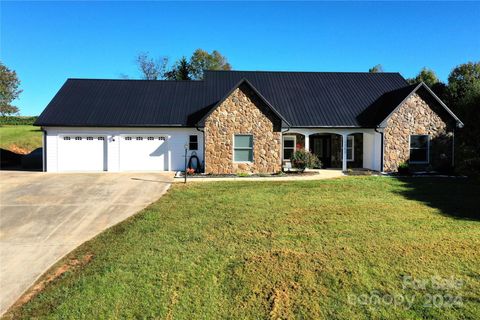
(419, 148)
(350, 148)
(243, 148)
(289, 145)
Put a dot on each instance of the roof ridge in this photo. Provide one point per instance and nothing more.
(135, 80)
(285, 71)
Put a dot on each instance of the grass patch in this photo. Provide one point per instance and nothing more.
(20, 138)
(269, 250)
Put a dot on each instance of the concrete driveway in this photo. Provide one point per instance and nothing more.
(44, 216)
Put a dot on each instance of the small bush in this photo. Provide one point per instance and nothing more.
(302, 159)
(243, 174)
(403, 168)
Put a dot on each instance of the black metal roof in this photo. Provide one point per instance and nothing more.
(303, 99)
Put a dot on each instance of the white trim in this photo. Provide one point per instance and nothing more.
(344, 151)
(459, 123)
(410, 149)
(241, 148)
(288, 137)
(353, 148)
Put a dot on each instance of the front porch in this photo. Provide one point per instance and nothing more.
(335, 148)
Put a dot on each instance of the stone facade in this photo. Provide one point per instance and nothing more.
(419, 115)
(243, 112)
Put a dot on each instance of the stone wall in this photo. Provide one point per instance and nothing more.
(242, 113)
(421, 115)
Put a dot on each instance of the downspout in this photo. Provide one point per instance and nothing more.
(459, 125)
(203, 139)
(453, 148)
(381, 148)
(44, 151)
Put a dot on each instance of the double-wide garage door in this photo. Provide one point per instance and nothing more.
(91, 153)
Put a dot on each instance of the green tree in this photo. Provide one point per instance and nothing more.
(375, 69)
(180, 71)
(9, 90)
(429, 77)
(426, 75)
(464, 83)
(202, 60)
(464, 99)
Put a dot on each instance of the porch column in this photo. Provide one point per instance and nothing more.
(344, 151)
(307, 141)
(169, 155)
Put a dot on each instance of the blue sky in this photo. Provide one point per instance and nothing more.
(48, 42)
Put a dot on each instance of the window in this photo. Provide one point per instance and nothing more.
(128, 138)
(350, 148)
(66, 138)
(289, 143)
(78, 138)
(193, 142)
(139, 138)
(101, 138)
(150, 138)
(419, 145)
(89, 138)
(243, 148)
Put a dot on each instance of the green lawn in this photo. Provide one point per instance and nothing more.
(18, 138)
(268, 250)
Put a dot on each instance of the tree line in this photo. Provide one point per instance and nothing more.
(183, 69)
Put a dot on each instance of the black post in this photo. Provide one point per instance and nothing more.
(185, 165)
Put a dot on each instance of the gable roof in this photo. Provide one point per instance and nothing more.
(415, 89)
(301, 99)
(315, 99)
(243, 81)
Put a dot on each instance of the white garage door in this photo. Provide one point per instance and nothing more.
(81, 153)
(143, 153)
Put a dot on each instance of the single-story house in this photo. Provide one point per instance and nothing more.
(247, 121)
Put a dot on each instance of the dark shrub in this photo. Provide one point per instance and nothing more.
(302, 159)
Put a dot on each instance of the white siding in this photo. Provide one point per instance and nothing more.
(177, 137)
(377, 151)
(368, 153)
(372, 144)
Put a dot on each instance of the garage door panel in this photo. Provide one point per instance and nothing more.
(143, 153)
(82, 153)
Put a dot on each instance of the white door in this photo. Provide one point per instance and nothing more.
(143, 153)
(81, 153)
